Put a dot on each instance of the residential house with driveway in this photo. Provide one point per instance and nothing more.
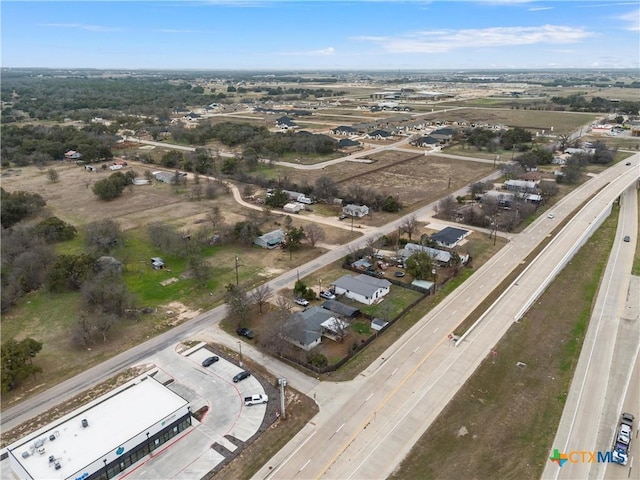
(345, 130)
(286, 123)
(362, 288)
(426, 142)
(379, 135)
(444, 135)
(356, 210)
(449, 237)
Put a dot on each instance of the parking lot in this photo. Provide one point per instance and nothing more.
(225, 427)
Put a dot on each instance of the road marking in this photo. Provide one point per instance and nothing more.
(340, 428)
(367, 420)
(302, 468)
(371, 395)
(415, 350)
(392, 373)
(436, 330)
(272, 472)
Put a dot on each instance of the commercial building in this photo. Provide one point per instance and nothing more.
(105, 437)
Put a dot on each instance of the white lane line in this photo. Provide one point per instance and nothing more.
(272, 472)
(393, 373)
(370, 395)
(340, 428)
(302, 468)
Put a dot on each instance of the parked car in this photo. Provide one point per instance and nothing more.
(255, 400)
(342, 217)
(210, 361)
(327, 295)
(245, 332)
(241, 376)
(628, 163)
(551, 215)
(627, 238)
(302, 301)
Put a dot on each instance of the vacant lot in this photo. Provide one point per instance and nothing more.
(511, 410)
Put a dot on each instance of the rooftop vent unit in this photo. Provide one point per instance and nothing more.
(85, 424)
(52, 459)
(52, 437)
(25, 455)
(57, 465)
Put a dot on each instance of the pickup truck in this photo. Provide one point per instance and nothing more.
(255, 400)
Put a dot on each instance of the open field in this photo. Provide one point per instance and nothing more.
(511, 410)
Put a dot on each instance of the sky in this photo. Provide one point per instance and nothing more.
(321, 35)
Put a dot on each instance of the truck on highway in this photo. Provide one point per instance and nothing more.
(620, 453)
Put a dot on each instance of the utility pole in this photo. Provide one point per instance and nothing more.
(240, 347)
(282, 382)
(237, 278)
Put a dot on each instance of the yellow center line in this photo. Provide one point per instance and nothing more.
(367, 420)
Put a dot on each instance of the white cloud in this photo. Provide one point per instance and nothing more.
(438, 41)
(632, 19)
(81, 26)
(539, 9)
(324, 52)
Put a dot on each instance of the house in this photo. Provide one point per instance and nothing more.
(439, 256)
(449, 237)
(520, 186)
(443, 134)
(362, 288)
(504, 199)
(356, 210)
(271, 239)
(285, 123)
(292, 207)
(378, 135)
(305, 329)
(340, 308)
(426, 142)
(167, 177)
(347, 143)
(362, 264)
(191, 116)
(345, 130)
(72, 155)
(157, 263)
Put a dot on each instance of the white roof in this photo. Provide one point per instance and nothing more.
(113, 419)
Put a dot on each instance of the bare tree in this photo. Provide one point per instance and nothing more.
(216, 218)
(447, 206)
(103, 235)
(200, 270)
(237, 304)
(339, 328)
(410, 225)
(196, 192)
(103, 323)
(314, 234)
(261, 295)
(81, 331)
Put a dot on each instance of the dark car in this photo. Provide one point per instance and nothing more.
(245, 332)
(241, 376)
(210, 361)
(627, 238)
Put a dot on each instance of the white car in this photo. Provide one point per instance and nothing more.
(551, 215)
(625, 434)
(255, 400)
(327, 294)
(301, 301)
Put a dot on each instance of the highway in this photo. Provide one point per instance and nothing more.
(403, 391)
(608, 354)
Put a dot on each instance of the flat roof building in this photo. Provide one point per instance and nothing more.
(104, 437)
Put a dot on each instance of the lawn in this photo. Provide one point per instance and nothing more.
(512, 410)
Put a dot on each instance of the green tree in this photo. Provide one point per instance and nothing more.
(277, 199)
(71, 271)
(294, 238)
(54, 230)
(391, 204)
(17, 361)
(53, 175)
(16, 206)
(419, 265)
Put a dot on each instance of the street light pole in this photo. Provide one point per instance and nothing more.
(237, 278)
(240, 347)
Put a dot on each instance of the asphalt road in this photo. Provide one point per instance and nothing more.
(608, 354)
(401, 393)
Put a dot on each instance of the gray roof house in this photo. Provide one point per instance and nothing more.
(286, 122)
(379, 135)
(347, 142)
(443, 134)
(362, 288)
(439, 256)
(356, 210)
(305, 329)
(426, 142)
(340, 308)
(449, 237)
(271, 239)
(345, 130)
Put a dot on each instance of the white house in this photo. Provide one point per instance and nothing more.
(362, 288)
(356, 210)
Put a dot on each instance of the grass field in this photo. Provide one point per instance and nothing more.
(511, 410)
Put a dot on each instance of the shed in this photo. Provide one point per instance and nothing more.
(423, 285)
(378, 324)
(292, 207)
(157, 263)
